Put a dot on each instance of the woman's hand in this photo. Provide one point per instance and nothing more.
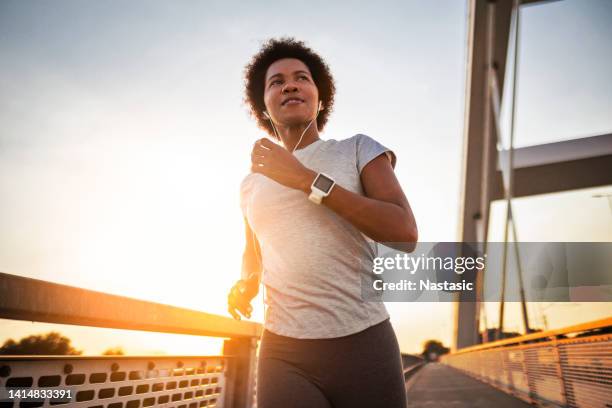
(240, 296)
(280, 165)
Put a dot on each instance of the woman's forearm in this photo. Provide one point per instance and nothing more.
(380, 220)
(250, 266)
(251, 257)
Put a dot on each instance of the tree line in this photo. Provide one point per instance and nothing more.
(49, 344)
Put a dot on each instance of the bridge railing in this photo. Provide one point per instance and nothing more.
(570, 367)
(225, 380)
(411, 363)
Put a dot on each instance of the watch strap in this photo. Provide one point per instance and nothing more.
(315, 197)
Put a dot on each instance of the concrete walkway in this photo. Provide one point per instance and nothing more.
(436, 385)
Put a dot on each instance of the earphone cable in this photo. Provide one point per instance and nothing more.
(257, 253)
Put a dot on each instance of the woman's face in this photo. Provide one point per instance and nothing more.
(290, 95)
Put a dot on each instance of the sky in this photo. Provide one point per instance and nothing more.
(124, 138)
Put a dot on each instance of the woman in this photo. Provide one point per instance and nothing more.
(313, 210)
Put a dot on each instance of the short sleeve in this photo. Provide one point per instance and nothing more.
(368, 149)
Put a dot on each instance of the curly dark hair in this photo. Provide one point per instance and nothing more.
(273, 50)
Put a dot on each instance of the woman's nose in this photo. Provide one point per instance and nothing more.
(289, 87)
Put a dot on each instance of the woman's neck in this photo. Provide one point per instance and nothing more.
(290, 135)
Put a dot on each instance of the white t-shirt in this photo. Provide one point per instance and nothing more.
(314, 261)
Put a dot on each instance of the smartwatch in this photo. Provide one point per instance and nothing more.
(321, 187)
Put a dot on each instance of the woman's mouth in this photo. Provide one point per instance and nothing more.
(292, 101)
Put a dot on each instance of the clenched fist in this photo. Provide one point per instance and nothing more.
(280, 165)
(240, 296)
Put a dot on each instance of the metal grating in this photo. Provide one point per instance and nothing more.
(121, 382)
(587, 370)
(575, 372)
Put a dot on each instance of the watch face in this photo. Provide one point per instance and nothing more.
(323, 183)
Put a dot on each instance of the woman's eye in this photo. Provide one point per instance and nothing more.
(275, 82)
(303, 77)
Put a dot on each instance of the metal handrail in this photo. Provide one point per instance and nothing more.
(593, 325)
(37, 300)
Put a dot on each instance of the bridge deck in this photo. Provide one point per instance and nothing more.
(436, 385)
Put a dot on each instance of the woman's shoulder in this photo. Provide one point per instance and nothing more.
(356, 139)
(351, 145)
(363, 138)
(359, 139)
(356, 136)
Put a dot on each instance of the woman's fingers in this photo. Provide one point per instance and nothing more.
(244, 307)
(238, 302)
(256, 168)
(257, 159)
(267, 143)
(231, 306)
(231, 310)
(260, 150)
(232, 303)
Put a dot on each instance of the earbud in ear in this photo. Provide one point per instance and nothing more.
(266, 115)
(321, 105)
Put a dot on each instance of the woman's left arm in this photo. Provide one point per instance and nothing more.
(383, 214)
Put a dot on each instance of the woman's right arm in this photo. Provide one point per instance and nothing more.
(251, 258)
(243, 291)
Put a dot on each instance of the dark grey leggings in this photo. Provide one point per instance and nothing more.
(360, 370)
